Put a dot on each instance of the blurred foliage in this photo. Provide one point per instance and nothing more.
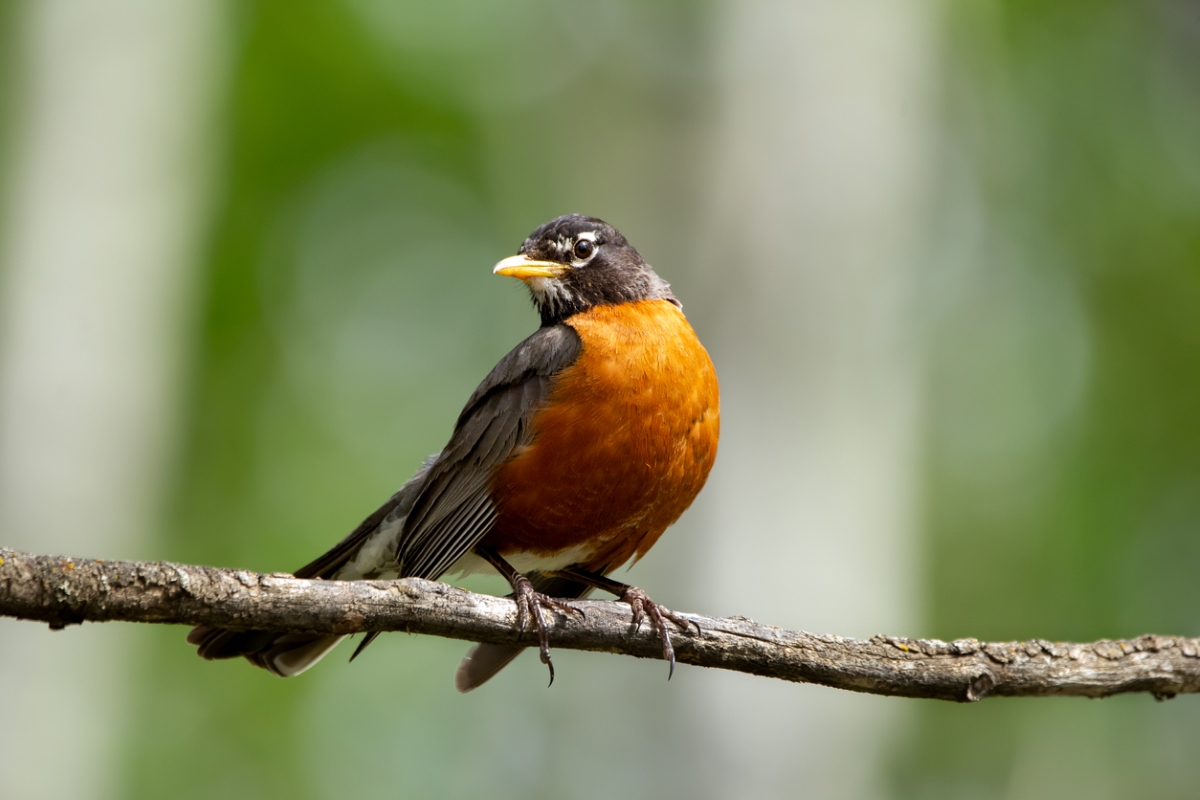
(374, 172)
(348, 190)
(1063, 499)
(376, 165)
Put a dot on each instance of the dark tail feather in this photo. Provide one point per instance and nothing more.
(370, 637)
(483, 661)
(283, 654)
(288, 654)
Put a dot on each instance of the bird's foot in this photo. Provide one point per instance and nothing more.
(530, 603)
(644, 607)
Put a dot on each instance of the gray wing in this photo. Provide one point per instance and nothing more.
(447, 502)
(454, 509)
(328, 563)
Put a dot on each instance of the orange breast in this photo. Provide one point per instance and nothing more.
(624, 446)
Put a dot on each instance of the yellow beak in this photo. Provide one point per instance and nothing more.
(525, 268)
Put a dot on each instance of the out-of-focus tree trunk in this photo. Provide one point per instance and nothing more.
(816, 224)
(112, 107)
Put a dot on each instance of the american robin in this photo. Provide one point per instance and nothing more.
(571, 458)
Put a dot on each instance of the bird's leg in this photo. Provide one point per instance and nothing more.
(530, 602)
(640, 603)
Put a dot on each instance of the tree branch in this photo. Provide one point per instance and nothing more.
(62, 591)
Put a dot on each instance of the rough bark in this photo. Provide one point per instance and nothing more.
(63, 591)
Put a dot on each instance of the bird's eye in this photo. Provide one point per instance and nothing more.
(583, 250)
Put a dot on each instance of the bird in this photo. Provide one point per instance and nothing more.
(571, 458)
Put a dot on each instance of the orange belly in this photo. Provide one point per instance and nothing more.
(624, 446)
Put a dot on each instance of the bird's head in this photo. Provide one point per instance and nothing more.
(575, 262)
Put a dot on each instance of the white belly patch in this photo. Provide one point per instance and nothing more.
(471, 564)
(376, 558)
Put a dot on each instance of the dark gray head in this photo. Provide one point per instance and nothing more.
(575, 262)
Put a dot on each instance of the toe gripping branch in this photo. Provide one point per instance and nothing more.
(530, 603)
(642, 607)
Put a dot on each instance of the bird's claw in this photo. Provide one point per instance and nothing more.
(530, 603)
(643, 606)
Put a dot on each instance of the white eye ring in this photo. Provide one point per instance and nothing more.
(583, 249)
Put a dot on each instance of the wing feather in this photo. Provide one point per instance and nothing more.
(446, 506)
(454, 509)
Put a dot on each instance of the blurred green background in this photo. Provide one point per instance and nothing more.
(946, 257)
